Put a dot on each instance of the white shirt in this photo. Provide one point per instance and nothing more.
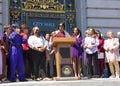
(34, 41)
(112, 44)
(88, 42)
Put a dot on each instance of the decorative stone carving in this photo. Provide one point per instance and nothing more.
(15, 1)
(43, 5)
(15, 14)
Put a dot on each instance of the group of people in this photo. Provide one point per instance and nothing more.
(24, 55)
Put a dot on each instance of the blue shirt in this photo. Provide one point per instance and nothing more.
(16, 40)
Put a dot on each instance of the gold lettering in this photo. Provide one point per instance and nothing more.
(37, 24)
(43, 24)
(49, 24)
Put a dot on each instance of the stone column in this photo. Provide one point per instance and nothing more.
(1, 13)
(5, 12)
(81, 15)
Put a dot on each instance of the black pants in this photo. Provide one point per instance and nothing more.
(8, 66)
(50, 66)
(27, 63)
(39, 63)
(93, 64)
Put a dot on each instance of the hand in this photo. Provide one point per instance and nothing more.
(82, 45)
(91, 46)
(78, 41)
(98, 51)
(25, 36)
(111, 50)
(6, 53)
(2, 47)
(42, 49)
(53, 34)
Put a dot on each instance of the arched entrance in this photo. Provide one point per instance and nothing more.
(43, 13)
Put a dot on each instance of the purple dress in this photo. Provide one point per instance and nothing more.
(76, 48)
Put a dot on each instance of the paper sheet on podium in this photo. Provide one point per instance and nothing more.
(101, 56)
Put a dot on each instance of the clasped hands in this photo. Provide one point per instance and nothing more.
(41, 49)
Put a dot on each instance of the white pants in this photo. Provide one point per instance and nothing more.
(0, 62)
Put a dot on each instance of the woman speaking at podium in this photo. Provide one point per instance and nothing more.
(61, 31)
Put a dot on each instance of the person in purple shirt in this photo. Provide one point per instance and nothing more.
(16, 55)
(77, 52)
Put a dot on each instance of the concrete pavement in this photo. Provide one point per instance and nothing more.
(83, 82)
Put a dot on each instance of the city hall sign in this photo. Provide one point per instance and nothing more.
(46, 14)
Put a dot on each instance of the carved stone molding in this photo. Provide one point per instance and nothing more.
(15, 14)
(42, 5)
(15, 1)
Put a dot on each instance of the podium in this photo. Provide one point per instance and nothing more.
(63, 56)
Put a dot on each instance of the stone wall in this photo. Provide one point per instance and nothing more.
(103, 15)
(4, 12)
(1, 16)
